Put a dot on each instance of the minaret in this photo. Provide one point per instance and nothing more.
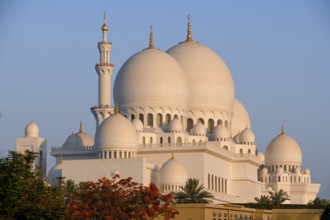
(104, 71)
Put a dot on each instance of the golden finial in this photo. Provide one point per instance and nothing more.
(81, 128)
(151, 39)
(189, 36)
(282, 132)
(104, 26)
(116, 108)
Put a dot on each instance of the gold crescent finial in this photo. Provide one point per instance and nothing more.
(189, 35)
(116, 108)
(151, 39)
(104, 26)
(81, 128)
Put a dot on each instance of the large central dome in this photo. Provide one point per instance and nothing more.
(210, 83)
(151, 77)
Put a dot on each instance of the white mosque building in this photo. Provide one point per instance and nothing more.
(176, 117)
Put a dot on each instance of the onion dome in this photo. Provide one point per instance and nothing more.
(261, 156)
(149, 78)
(283, 149)
(247, 136)
(79, 139)
(220, 131)
(175, 126)
(116, 132)
(137, 123)
(173, 173)
(240, 118)
(32, 130)
(199, 129)
(210, 82)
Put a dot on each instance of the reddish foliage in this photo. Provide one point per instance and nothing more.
(120, 199)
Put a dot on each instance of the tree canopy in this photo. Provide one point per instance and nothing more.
(24, 193)
(192, 192)
(119, 199)
(318, 201)
(278, 197)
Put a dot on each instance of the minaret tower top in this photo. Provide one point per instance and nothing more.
(104, 71)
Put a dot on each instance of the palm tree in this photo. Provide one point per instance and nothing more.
(69, 189)
(264, 201)
(279, 197)
(192, 192)
(318, 201)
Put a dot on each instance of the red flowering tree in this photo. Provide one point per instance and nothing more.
(120, 199)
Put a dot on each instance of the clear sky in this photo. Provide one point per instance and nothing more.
(278, 53)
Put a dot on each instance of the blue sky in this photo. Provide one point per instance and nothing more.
(278, 53)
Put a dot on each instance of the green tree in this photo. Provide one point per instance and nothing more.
(318, 201)
(192, 192)
(279, 197)
(24, 193)
(326, 213)
(69, 189)
(264, 202)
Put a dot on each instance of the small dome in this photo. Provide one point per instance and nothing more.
(240, 118)
(209, 80)
(199, 129)
(264, 171)
(283, 149)
(261, 156)
(137, 123)
(175, 125)
(149, 78)
(173, 173)
(79, 140)
(307, 171)
(279, 170)
(220, 131)
(32, 130)
(247, 136)
(116, 132)
(236, 138)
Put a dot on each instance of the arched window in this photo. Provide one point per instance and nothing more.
(151, 140)
(249, 151)
(194, 142)
(190, 124)
(179, 140)
(219, 122)
(169, 140)
(201, 120)
(241, 151)
(167, 119)
(161, 140)
(225, 185)
(208, 181)
(226, 124)
(150, 121)
(141, 117)
(159, 120)
(212, 182)
(176, 116)
(143, 140)
(210, 125)
(225, 147)
(132, 117)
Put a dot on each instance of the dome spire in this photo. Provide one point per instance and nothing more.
(189, 36)
(81, 128)
(116, 108)
(151, 39)
(282, 132)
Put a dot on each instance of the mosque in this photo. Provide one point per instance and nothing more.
(175, 117)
